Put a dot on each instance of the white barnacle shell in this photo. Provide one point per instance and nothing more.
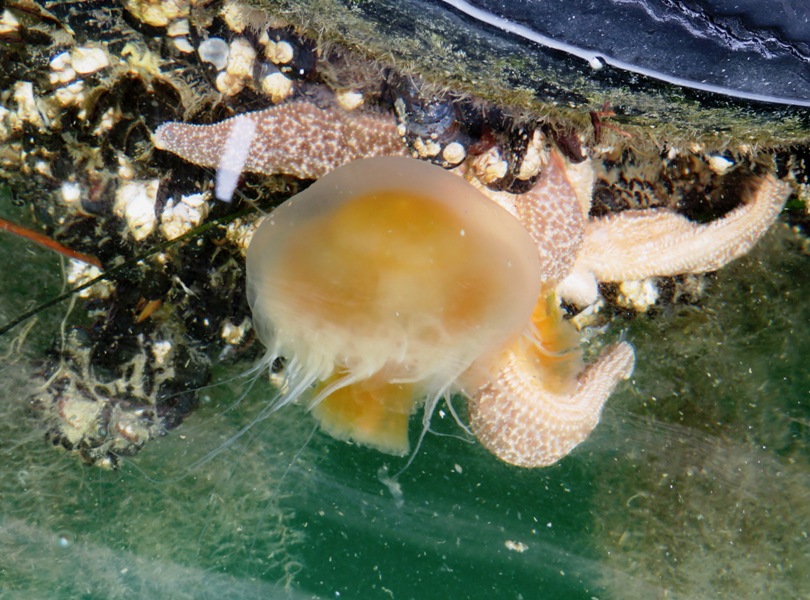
(135, 203)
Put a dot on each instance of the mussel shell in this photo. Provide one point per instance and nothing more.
(743, 49)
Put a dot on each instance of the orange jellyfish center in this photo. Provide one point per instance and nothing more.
(386, 295)
(395, 269)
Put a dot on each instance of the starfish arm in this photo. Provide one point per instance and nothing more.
(638, 244)
(516, 417)
(298, 139)
(552, 215)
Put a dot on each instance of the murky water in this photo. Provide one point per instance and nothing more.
(694, 485)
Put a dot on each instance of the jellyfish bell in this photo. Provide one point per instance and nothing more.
(382, 284)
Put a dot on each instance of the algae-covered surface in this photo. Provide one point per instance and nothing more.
(693, 486)
(433, 41)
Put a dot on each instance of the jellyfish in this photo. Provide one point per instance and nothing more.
(387, 285)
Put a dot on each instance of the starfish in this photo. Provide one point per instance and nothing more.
(298, 139)
(638, 244)
(534, 402)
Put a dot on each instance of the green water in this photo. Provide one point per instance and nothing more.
(694, 486)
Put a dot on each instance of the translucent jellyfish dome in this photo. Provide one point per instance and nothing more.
(381, 284)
